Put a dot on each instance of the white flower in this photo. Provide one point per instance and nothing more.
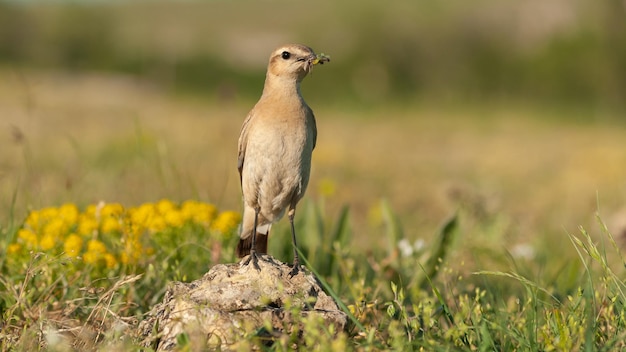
(55, 340)
(524, 251)
(406, 250)
(419, 244)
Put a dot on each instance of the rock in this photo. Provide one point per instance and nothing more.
(232, 303)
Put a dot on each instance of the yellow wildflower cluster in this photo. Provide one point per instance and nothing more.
(107, 234)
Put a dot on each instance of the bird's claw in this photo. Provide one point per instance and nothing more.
(295, 270)
(254, 259)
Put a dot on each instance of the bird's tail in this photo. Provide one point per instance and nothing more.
(244, 245)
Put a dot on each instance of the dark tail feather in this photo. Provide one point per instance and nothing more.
(243, 247)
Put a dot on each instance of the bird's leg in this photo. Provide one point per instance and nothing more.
(296, 259)
(253, 256)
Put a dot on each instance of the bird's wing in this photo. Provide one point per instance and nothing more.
(243, 142)
(314, 125)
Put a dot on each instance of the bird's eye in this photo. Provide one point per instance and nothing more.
(285, 55)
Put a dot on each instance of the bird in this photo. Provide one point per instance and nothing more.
(274, 151)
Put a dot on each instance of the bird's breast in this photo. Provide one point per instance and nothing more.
(282, 143)
(278, 160)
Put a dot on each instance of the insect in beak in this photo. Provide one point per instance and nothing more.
(320, 59)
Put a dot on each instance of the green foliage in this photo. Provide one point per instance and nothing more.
(396, 299)
(96, 269)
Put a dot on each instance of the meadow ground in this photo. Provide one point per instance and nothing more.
(520, 178)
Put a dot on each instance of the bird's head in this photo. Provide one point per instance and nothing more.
(294, 61)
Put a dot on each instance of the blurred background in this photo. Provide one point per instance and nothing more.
(556, 51)
(511, 112)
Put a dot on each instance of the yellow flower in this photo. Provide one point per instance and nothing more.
(199, 213)
(157, 223)
(143, 214)
(96, 252)
(110, 260)
(188, 208)
(65, 226)
(375, 215)
(110, 225)
(133, 251)
(174, 218)
(91, 258)
(112, 209)
(164, 206)
(132, 229)
(87, 225)
(14, 248)
(32, 220)
(73, 244)
(55, 228)
(48, 213)
(69, 213)
(327, 187)
(96, 246)
(125, 258)
(226, 222)
(48, 241)
(28, 236)
(91, 210)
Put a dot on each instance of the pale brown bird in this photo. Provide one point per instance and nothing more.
(275, 146)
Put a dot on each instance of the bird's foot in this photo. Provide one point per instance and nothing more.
(295, 270)
(254, 259)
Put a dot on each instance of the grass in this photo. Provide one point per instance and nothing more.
(396, 301)
(439, 228)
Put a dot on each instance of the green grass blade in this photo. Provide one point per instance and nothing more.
(332, 293)
(394, 229)
(444, 241)
(341, 231)
(524, 281)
